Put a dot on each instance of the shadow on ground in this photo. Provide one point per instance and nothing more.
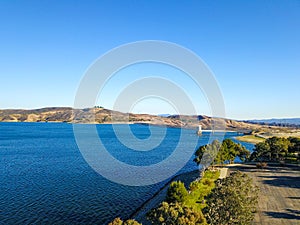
(294, 198)
(290, 214)
(282, 181)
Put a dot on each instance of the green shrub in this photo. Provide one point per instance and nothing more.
(176, 192)
(233, 201)
(118, 221)
(211, 174)
(175, 214)
(208, 182)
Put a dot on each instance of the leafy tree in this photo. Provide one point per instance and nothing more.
(118, 221)
(232, 201)
(262, 152)
(279, 147)
(176, 192)
(294, 145)
(272, 149)
(199, 153)
(217, 153)
(175, 214)
(243, 153)
(207, 154)
(199, 189)
(228, 150)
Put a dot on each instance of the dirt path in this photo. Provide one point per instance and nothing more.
(279, 200)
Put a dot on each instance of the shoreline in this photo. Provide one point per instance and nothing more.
(257, 138)
(126, 123)
(140, 213)
(249, 139)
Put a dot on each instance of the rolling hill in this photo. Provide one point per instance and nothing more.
(100, 115)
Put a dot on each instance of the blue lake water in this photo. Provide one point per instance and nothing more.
(45, 180)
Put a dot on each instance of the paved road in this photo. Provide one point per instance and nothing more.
(279, 200)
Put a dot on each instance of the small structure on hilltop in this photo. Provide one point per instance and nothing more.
(199, 131)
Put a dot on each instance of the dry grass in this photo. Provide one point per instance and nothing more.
(250, 138)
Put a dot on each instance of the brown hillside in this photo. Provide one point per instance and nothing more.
(101, 115)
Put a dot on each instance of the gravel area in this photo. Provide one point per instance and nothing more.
(279, 198)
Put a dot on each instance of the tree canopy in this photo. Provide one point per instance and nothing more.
(175, 214)
(232, 201)
(276, 149)
(206, 154)
(182, 206)
(118, 221)
(294, 146)
(176, 192)
(217, 153)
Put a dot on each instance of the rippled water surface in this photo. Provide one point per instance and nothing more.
(45, 180)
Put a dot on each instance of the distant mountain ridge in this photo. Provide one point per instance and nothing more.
(288, 121)
(101, 115)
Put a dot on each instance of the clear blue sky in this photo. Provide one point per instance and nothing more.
(253, 48)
